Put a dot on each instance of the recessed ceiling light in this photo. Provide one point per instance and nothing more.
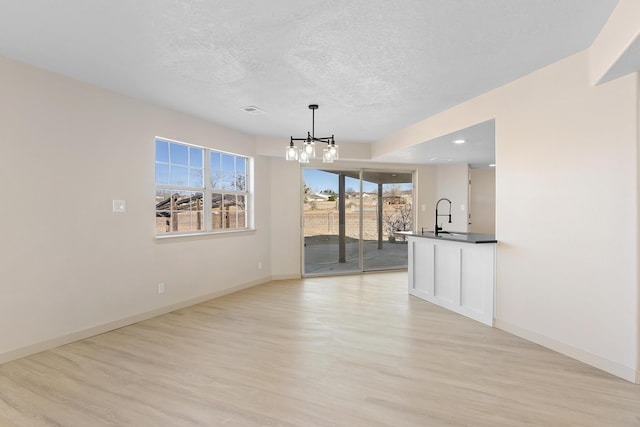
(252, 109)
(459, 141)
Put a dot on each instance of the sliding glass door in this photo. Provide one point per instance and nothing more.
(386, 210)
(331, 227)
(350, 217)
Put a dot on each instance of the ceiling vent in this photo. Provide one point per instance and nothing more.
(252, 109)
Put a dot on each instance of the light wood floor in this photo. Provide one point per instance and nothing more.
(347, 351)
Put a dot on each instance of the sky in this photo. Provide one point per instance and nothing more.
(183, 165)
(319, 180)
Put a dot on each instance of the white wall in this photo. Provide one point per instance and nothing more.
(453, 184)
(286, 243)
(638, 229)
(426, 196)
(71, 265)
(566, 210)
(567, 169)
(483, 200)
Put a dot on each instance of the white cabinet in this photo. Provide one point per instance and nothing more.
(458, 276)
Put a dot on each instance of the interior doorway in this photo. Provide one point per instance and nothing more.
(350, 217)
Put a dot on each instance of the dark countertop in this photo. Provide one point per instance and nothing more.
(454, 236)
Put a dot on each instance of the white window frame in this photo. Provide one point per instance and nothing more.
(208, 190)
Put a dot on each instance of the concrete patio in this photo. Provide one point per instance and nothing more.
(321, 255)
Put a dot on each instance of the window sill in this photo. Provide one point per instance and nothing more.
(164, 238)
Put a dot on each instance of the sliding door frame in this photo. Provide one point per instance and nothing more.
(361, 172)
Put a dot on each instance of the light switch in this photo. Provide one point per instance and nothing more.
(119, 206)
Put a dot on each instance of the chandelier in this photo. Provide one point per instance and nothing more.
(308, 149)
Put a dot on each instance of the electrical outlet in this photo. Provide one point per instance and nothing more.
(259, 265)
(161, 288)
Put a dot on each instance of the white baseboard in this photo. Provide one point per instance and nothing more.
(614, 368)
(286, 277)
(100, 329)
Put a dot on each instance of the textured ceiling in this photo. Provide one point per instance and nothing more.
(374, 66)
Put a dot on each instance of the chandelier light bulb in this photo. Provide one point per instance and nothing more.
(310, 148)
(327, 157)
(291, 153)
(304, 157)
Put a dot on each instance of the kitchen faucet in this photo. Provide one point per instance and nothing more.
(436, 229)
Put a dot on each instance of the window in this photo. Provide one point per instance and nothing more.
(199, 190)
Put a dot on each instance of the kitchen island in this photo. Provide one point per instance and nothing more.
(455, 270)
